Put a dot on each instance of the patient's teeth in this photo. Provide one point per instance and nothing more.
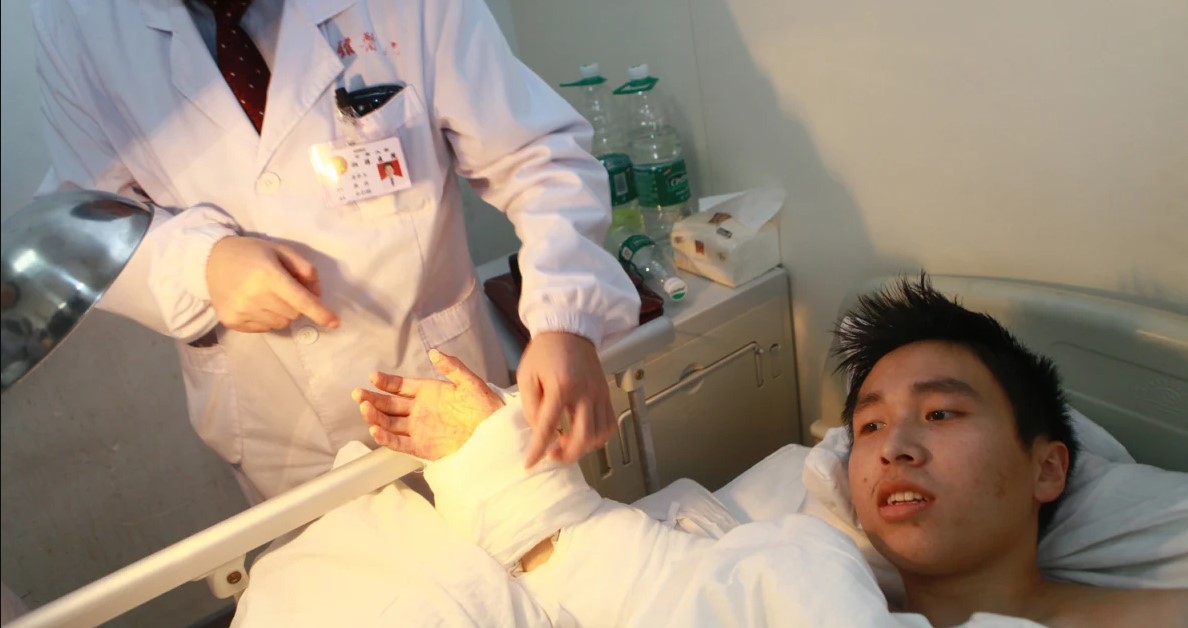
(904, 496)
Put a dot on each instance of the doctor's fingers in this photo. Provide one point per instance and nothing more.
(548, 417)
(256, 322)
(602, 426)
(581, 438)
(247, 326)
(530, 391)
(386, 422)
(300, 268)
(571, 447)
(296, 295)
(278, 306)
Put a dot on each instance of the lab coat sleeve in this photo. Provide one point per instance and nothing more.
(526, 151)
(163, 286)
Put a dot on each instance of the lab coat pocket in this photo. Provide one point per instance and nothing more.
(404, 111)
(465, 330)
(403, 117)
(402, 202)
(440, 327)
(211, 399)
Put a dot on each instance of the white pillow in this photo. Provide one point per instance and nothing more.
(1121, 524)
(769, 490)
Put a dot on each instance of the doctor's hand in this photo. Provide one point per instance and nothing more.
(560, 372)
(257, 286)
(427, 418)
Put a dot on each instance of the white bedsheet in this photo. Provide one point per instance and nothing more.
(389, 558)
(385, 559)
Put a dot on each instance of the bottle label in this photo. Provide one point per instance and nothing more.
(633, 245)
(662, 184)
(622, 178)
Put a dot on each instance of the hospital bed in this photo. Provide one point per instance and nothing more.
(1125, 366)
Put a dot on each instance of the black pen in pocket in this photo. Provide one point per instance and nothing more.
(360, 102)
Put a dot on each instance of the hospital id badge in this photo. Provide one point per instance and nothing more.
(356, 172)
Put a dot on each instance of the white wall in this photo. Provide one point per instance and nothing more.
(100, 466)
(1044, 141)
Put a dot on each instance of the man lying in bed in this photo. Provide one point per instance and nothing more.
(961, 449)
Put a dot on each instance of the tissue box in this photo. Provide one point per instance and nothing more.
(733, 239)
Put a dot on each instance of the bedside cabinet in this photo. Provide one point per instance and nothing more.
(719, 399)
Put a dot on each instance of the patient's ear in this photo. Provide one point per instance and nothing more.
(1051, 460)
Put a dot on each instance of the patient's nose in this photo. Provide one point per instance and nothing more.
(902, 445)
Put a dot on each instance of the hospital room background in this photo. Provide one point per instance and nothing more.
(1040, 141)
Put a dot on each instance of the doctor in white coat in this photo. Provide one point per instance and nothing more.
(282, 295)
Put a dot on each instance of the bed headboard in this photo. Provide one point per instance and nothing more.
(1123, 365)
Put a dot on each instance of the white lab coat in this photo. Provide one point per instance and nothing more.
(135, 104)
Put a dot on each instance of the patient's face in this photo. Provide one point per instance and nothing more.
(938, 476)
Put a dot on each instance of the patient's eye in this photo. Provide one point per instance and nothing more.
(940, 415)
(868, 427)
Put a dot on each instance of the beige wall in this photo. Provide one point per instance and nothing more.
(1044, 141)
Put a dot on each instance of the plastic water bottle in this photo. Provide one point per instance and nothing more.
(626, 219)
(610, 147)
(661, 177)
(596, 106)
(653, 264)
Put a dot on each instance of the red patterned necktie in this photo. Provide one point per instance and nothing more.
(240, 61)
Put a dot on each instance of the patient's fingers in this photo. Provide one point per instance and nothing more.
(388, 404)
(394, 424)
(395, 384)
(395, 442)
(454, 370)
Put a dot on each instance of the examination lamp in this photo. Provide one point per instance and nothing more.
(60, 254)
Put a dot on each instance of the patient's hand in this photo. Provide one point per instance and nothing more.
(427, 418)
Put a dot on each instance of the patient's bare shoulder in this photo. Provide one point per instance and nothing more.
(1080, 605)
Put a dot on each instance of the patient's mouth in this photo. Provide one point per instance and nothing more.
(899, 502)
(904, 497)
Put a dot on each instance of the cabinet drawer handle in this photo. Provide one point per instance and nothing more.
(624, 431)
(697, 374)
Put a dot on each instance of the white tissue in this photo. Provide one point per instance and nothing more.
(733, 238)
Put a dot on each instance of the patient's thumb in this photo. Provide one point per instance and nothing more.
(451, 368)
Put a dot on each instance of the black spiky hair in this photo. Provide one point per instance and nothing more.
(913, 311)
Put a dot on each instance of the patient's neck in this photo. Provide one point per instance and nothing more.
(1007, 585)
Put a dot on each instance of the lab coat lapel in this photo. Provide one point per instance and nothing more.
(197, 76)
(305, 67)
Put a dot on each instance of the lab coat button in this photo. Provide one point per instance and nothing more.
(307, 335)
(268, 184)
